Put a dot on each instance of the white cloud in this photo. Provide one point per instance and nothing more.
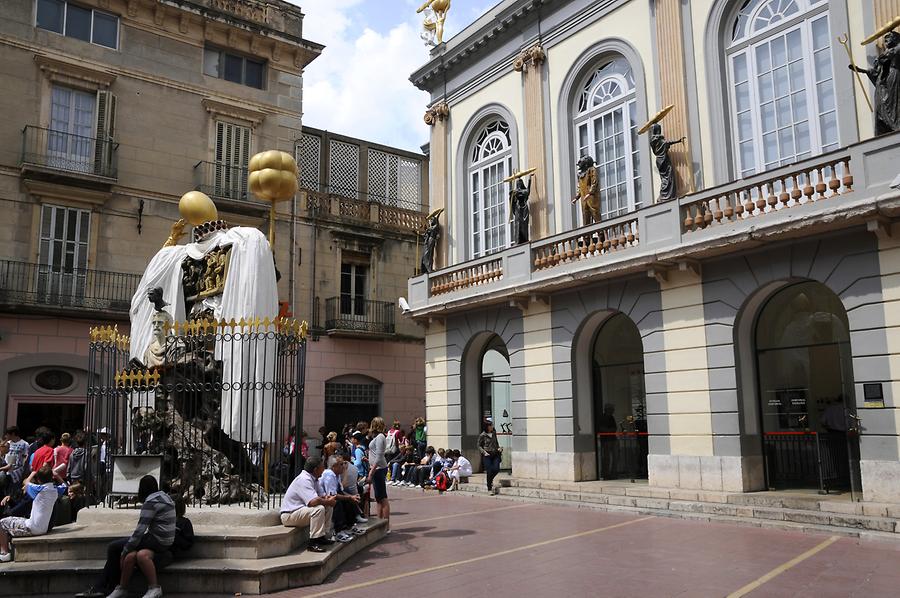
(360, 85)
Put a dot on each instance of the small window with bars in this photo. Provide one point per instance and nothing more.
(352, 394)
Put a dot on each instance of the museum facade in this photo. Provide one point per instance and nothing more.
(742, 336)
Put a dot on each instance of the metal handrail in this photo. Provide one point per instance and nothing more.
(24, 283)
(349, 313)
(67, 152)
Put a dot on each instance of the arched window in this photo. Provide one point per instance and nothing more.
(606, 129)
(490, 162)
(782, 83)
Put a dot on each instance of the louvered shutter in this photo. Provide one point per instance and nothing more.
(232, 158)
(105, 123)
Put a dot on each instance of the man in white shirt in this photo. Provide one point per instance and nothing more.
(305, 503)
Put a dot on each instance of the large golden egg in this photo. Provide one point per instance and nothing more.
(197, 208)
(273, 175)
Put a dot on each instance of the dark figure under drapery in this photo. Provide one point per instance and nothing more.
(519, 213)
(668, 188)
(885, 76)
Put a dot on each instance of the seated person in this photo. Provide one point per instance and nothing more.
(359, 454)
(184, 538)
(305, 503)
(410, 463)
(154, 534)
(396, 464)
(350, 485)
(39, 487)
(460, 470)
(343, 516)
(416, 476)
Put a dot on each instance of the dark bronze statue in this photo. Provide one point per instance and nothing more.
(588, 190)
(155, 296)
(885, 76)
(519, 213)
(668, 188)
(429, 241)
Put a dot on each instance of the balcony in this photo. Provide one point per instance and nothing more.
(57, 153)
(42, 286)
(350, 315)
(370, 212)
(844, 188)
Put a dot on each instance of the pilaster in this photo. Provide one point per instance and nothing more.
(530, 63)
(437, 117)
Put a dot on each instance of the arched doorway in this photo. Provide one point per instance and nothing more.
(806, 398)
(494, 397)
(619, 402)
(350, 399)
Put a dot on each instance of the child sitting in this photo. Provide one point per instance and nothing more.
(39, 487)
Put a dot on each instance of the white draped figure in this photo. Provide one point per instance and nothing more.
(250, 291)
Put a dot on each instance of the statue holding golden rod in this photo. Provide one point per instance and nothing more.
(519, 213)
(659, 145)
(429, 241)
(885, 76)
(273, 178)
(433, 25)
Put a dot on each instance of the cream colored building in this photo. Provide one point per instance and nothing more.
(115, 108)
(718, 341)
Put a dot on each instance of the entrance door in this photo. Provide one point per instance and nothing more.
(70, 144)
(806, 393)
(495, 402)
(59, 415)
(349, 400)
(620, 421)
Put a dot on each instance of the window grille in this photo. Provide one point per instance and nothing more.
(309, 152)
(343, 164)
(393, 180)
(356, 394)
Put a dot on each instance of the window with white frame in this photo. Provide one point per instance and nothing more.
(781, 83)
(606, 129)
(70, 141)
(64, 237)
(353, 288)
(490, 162)
(232, 157)
(80, 22)
(234, 67)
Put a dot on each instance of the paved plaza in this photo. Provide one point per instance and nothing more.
(455, 545)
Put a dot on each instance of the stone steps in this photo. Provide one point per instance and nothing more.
(835, 516)
(202, 574)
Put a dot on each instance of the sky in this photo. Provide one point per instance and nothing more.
(360, 85)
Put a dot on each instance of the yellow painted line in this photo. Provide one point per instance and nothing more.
(784, 567)
(373, 582)
(459, 515)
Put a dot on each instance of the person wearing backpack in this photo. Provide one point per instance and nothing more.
(394, 438)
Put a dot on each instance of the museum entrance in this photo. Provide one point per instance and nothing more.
(807, 409)
(619, 403)
(495, 396)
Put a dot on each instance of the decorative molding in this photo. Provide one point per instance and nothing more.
(245, 113)
(254, 44)
(298, 59)
(132, 8)
(534, 56)
(66, 194)
(103, 4)
(55, 68)
(183, 23)
(276, 53)
(881, 227)
(438, 112)
(159, 14)
(232, 38)
(690, 265)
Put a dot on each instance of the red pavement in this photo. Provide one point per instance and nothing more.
(455, 545)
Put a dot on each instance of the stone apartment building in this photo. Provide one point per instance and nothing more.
(113, 110)
(739, 337)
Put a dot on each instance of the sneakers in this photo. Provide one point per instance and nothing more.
(343, 537)
(357, 531)
(119, 592)
(5, 557)
(153, 592)
(361, 519)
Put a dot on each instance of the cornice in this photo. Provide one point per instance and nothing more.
(239, 111)
(55, 192)
(76, 69)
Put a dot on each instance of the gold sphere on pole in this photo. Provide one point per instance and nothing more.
(273, 178)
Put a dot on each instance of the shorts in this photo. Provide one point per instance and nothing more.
(379, 487)
(17, 527)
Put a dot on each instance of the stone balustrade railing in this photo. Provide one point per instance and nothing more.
(585, 243)
(480, 273)
(338, 207)
(826, 177)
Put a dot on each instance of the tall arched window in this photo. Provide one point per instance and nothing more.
(489, 164)
(606, 129)
(782, 84)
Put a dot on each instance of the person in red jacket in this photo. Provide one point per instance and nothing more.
(44, 454)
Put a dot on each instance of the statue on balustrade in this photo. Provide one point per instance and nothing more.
(885, 76)
(588, 190)
(668, 188)
(429, 240)
(519, 213)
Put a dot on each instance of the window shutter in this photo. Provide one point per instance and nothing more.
(219, 168)
(105, 123)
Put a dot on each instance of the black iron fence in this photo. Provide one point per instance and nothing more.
(355, 314)
(622, 455)
(23, 283)
(210, 407)
(807, 459)
(58, 150)
(222, 180)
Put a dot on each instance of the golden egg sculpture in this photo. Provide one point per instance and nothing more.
(197, 208)
(273, 178)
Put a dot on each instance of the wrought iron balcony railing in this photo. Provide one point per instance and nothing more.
(68, 153)
(28, 284)
(222, 180)
(352, 314)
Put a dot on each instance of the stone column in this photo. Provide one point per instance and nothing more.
(530, 63)
(885, 10)
(436, 117)
(672, 76)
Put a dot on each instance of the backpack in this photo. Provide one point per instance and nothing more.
(441, 481)
(391, 449)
